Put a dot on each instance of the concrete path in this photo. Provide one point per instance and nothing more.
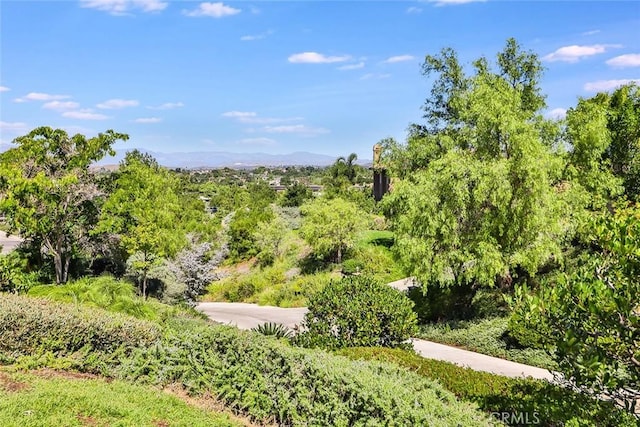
(8, 243)
(247, 316)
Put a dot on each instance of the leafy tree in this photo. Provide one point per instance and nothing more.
(480, 205)
(591, 316)
(47, 193)
(145, 212)
(331, 226)
(269, 238)
(295, 195)
(358, 312)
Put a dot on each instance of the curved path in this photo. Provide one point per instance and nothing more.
(247, 316)
(8, 243)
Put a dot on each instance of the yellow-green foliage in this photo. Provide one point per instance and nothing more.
(46, 398)
(31, 326)
(551, 404)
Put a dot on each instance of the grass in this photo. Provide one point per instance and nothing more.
(51, 398)
(486, 336)
(549, 404)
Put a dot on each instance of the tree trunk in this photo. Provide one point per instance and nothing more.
(144, 286)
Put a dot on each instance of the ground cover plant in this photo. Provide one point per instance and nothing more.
(542, 403)
(51, 398)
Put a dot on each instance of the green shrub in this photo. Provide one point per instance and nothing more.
(31, 326)
(14, 276)
(272, 329)
(551, 404)
(442, 303)
(275, 383)
(357, 311)
(352, 266)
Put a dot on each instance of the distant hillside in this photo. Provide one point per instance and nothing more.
(216, 159)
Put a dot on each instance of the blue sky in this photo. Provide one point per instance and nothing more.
(329, 77)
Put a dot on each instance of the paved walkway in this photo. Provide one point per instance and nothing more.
(247, 316)
(8, 243)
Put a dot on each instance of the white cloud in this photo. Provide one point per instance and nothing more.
(590, 33)
(124, 7)
(302, 130)
(213, 10)
(257, 36)
(257, 141)
(557, 113)
(452, 2)
(13, 126)
(38, 96)
(352, 66)
(574, 53)
(399, 58)
(316, 58)
(4, 89)
(414, 10)
(606, 85)
(61, 105)
(624, 61)
(370, 76)
(148, 120)
(253, 118)
(114, 104)
(86, 114)
(167, 106)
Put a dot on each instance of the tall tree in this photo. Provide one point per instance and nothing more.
(46, 191)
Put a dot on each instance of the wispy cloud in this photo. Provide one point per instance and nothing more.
(607, 85)
(557, 113)
(301, 130)
(371, 76)
(212, 10)
(146, 120)
(13, 126)
(352, 66)
(115, 104)
(39, 96)
(86, 114)
(124, 7)
(453, 2)
(316, 58)
(590, 33)
(167, 106)
(260, 36)
(61, 105)
(625, 61)
(257, 141)
(4, 89)
(251, 117)
(414, 10)
(574, 53)
(399, 58)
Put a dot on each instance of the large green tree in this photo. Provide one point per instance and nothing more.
(479, 205)
(47, 193)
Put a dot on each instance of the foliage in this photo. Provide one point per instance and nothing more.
(273, 382)
(272, 329)
(330, 227)
(14, 274)
(269, 239)
(540, 402)
(592, 315)
(46, 191)
(357, 311)
(242, 229)
(295, 195)
(33, 326)
(481, 206)
(486, 336)
(51, 398)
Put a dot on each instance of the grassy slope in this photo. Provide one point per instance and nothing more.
(47, 398)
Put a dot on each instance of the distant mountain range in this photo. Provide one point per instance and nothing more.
(217, 159)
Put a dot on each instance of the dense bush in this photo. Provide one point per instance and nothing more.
(275, 383)
(550, 404)
(30, 326)
(357, 311)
